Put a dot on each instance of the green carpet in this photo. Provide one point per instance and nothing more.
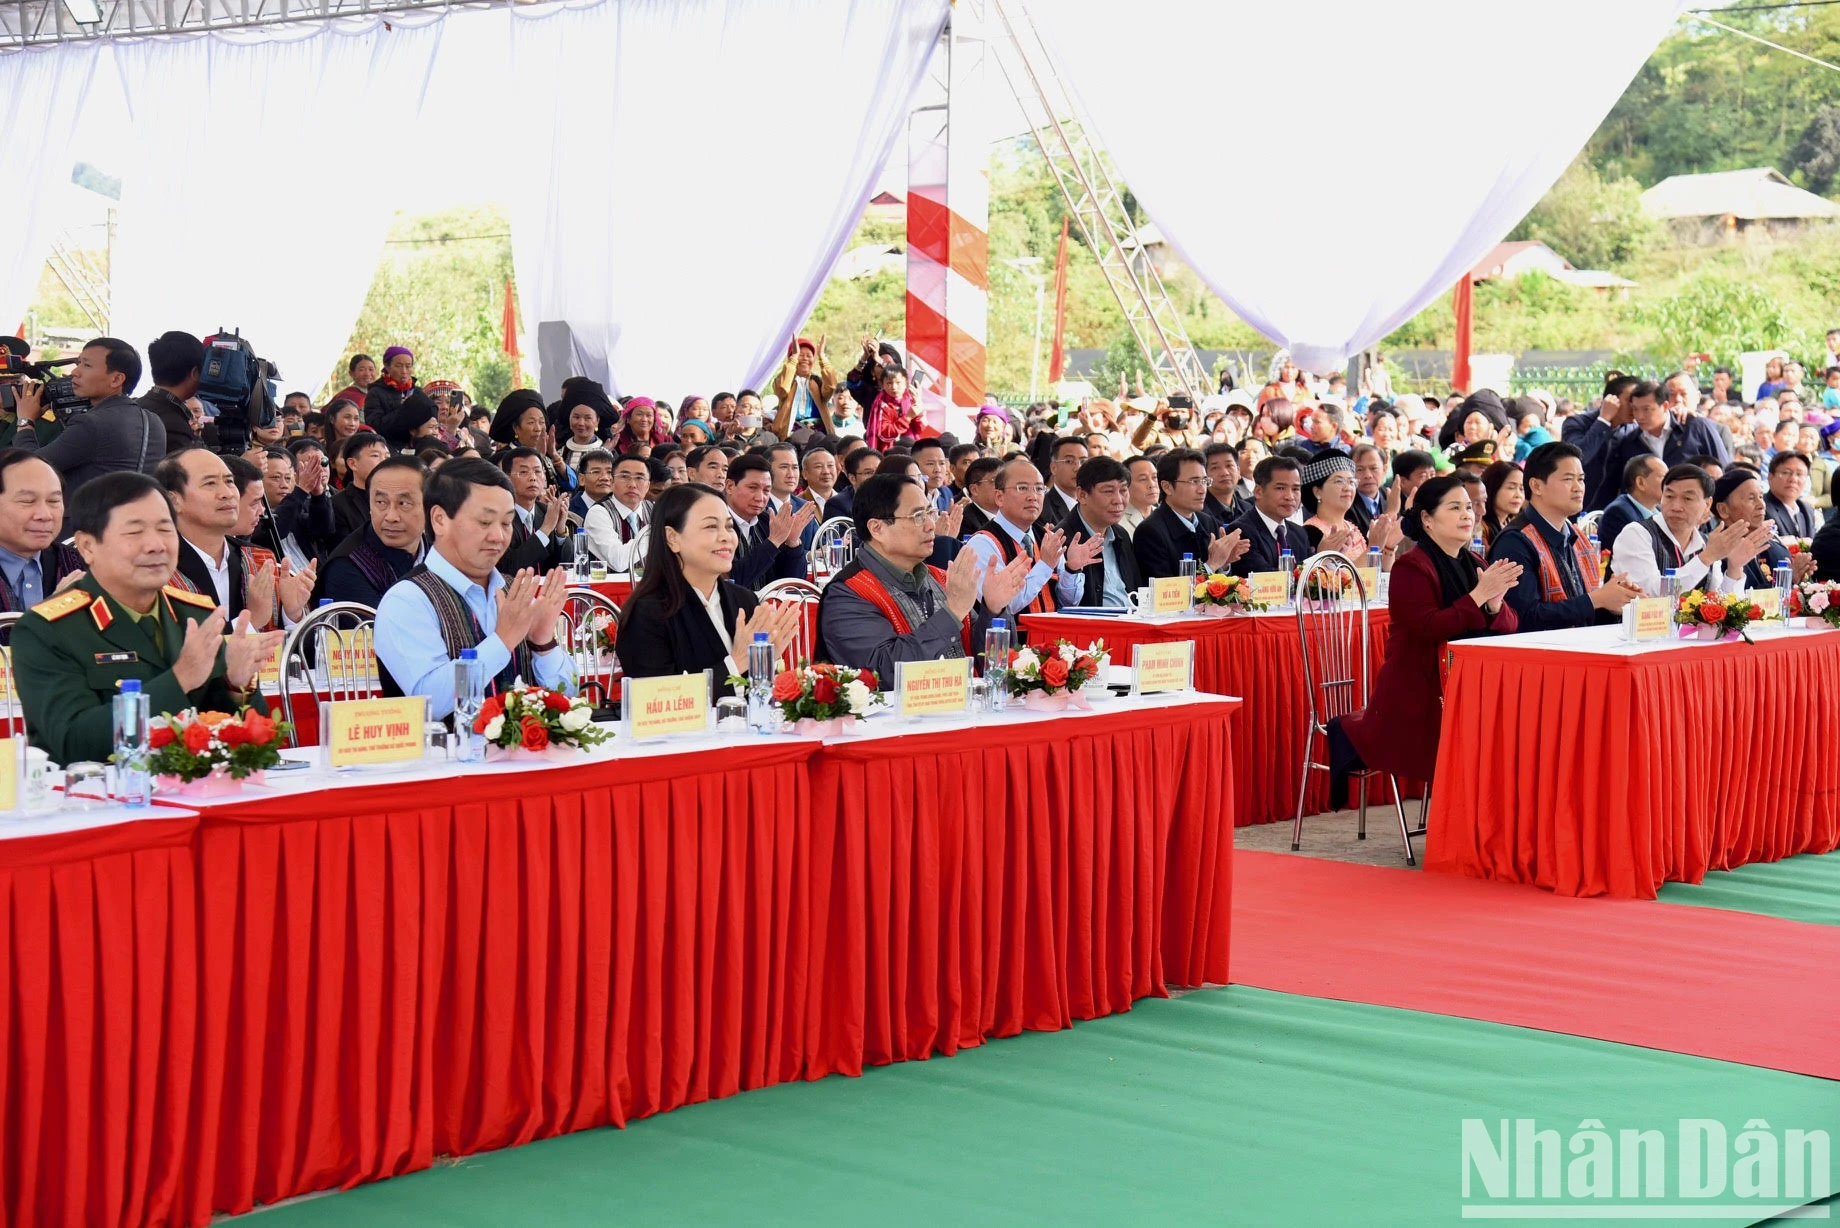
(1235, 1105)
(1804, 888)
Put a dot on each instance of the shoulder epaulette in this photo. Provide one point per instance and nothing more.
(189, 597)
(62, 605)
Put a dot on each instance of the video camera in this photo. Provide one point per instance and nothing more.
(240, 385)
(59, 397)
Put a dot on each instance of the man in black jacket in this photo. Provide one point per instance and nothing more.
(1652, 429)
(769, 546)
(394, 407)
(1179, 526)
(538, 526)
(1064, 462)
(115, 434)
(351, 509)
(1224, 502)
(297, 522)
(1277, 490)
(174, 360)
(1104, 493)
(1792, 515)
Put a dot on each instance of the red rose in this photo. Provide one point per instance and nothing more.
(556, 702)
(866, 677)
(787, 687)
(197, 738)
(1711, 612)
(1217, 587)
(1054, 673)
(233, 734)
(536, 737)
(824, 691)
(1085, 665)
(493, 706)
(261, 729)
(158, 736)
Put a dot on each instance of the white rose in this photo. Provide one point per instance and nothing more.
(858, 695)
(576, 719)
(494, 727)
(1069, 653)
(1023, 660)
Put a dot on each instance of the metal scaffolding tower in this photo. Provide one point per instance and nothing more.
(1095, 202)
(26, 23)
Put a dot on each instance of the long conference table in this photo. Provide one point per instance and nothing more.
(1591, 766)
(330, 979)
(1257, 658)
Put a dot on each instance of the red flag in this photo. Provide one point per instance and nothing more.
(1464, 303)
(1057, 357)
(511, 344)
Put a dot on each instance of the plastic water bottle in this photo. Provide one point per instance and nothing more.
(1287, 563)
(469, 698)
(1670, 584)
(1785, 581)
(1373, 561)
(131, 717)
(581, 556)
(996, 665)
(760, 714)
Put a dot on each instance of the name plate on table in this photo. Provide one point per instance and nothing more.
(1163, 667)
(932, 688)
(1648, 618)
(665, 707)
(1370, 581)
(1767, 600)
(11, 750)
(369, 732)
(1169, 595)
(1271, 587)
(269, 676)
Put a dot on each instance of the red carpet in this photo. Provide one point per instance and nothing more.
(1732, 986)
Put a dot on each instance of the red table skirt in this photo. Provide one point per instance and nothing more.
(1259, 660)
(297, 993)
(1604, 775)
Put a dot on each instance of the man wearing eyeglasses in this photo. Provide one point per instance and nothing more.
(1055, 573)
(888, 605)
(1180, 524)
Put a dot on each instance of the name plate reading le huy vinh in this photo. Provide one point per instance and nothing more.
(369, 732)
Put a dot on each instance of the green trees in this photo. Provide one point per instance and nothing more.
(1593, 221)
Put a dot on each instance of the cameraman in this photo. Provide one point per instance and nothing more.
(115, 435)
(174, 360)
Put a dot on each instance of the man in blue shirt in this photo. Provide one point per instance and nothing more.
(32, 565)
(457, 599)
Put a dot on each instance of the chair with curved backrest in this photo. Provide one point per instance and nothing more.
(1333, 634)
(818, 559)
(1587, 523)
(806, 594)
(330, 656)
(576, 631)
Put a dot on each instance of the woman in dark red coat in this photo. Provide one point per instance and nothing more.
(1438, 592)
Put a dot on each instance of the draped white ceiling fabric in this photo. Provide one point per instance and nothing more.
(1408, 140)
(261, 183)
(695, 168)
(42, 93)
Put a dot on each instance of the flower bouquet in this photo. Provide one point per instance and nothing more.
(530, 721)
(1218, 595)
(823, 700)
(204, 754)
(1816, 603)
(1715, 616)
(604, 627)
(1796, 545)
(1324, 586)
(1051, 679)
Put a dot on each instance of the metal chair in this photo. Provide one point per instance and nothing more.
(332, 655)
(818, 561)
(1333, 634)
(806, 594)
(575, 629)
(1587, 523)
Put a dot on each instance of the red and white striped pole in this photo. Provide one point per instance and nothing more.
(948, 224)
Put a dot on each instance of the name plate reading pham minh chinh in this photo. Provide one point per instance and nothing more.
(369, 732)
(1169, 594)
(1157, 668)
(932, 688)
(1270, 587)
(671, 705)
(1648, 618)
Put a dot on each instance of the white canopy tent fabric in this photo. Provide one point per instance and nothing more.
(260, 192)
(42, 93)
(1494, 98)
(705, 163)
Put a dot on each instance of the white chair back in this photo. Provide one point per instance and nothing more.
(805, 594)
(832, 546)
(330, 656)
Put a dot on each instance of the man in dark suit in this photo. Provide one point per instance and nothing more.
(1792, 515)
(1179, 526)
(1104, 494)
(537, 527)
(1656, 431)
(351, 508)
(241, 580)
(1064, 462)
(1224, 502)
(1640, 499)
(769, 547)
(858, 466)
(1277, 491)
(981, 489)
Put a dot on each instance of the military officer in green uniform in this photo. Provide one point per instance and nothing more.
(124, 619)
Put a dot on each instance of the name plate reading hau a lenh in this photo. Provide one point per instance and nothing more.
(1169, 595)
(670, 705)
(1163, 667)
(1270, 587)
(366, 732)
(932, 688)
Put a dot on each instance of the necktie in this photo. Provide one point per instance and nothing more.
(626, 533)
